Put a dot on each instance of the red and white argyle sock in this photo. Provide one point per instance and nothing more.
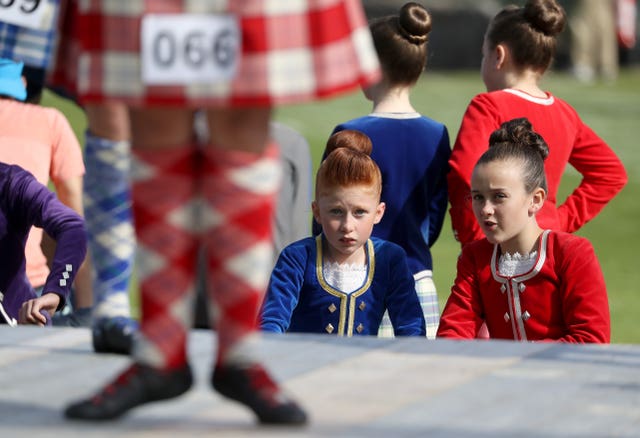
(165, 194)
(239, 194)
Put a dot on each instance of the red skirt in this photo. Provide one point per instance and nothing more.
(288, 51)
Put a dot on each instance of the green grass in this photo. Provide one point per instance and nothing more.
(613, 111)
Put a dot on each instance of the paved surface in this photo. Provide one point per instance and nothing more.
(351, 387)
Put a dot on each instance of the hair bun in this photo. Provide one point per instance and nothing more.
(414, 23)
(349, 139)
(520, 132)
(547, 16)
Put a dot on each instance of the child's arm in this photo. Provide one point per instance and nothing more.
(283, 292)
(603, 176)
(439, 197)
(585, 304)
(463, 314)
(40, 207)
(403, 304)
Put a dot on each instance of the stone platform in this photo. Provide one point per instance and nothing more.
(351, 387)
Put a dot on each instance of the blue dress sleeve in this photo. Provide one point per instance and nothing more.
(282, 295)
(439, 196)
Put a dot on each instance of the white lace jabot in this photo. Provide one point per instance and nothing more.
(516, 264)
(345, 278)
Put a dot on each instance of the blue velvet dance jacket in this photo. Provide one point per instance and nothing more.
(299, 299)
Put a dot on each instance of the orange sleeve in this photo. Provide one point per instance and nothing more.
(66, 157)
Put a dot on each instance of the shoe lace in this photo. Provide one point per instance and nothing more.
(113, 387)
(262, 383)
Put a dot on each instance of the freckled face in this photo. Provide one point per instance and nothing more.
(347, 216)
(501, 204)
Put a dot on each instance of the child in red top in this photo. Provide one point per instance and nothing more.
(526, 283)
(518, 48)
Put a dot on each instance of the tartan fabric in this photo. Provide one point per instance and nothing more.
(428, 296)
(292, 51)
(239, 193)
(34, 47)
(164, 193)
(63, 77)
(108, 216)
(426, 289)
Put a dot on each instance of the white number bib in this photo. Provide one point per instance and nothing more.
(180, 49)
(35, 14)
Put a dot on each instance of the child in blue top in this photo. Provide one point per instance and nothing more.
(412, 151)
(342, 281)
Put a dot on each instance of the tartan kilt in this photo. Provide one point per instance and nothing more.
(291, 51)
(63, 75)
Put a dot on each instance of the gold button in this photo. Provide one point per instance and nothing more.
(362, 305)
(329, 328)
(360, 328)
(332, 308)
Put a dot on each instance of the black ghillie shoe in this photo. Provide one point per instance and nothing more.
(253, 387)
(137, 385)
(114, 335)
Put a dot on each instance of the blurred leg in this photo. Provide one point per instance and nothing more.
(241, 179)
(107, 199)
(165, 178)
(165, 193)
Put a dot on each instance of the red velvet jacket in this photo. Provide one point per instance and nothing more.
(562, 298)
(570, 142)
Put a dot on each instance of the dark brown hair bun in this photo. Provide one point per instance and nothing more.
(547, 16)
(414, 22)
(519, 132)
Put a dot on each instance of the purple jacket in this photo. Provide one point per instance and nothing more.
(24, 202)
